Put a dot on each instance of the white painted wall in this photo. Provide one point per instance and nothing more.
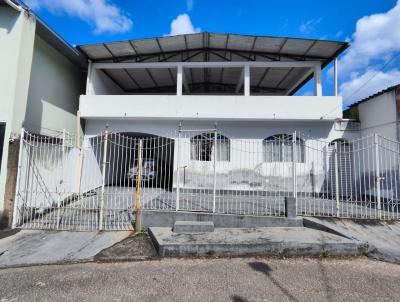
(17, 32)
(379, 115)
(101, 84)
(54, 88)
(246, 148)
(211, 107)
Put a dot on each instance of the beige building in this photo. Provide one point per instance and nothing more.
(41, 78)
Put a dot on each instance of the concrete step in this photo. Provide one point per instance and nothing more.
(157, 218)
(193, 226)
(285, 241)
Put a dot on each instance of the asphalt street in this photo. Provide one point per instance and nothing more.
(237, 279)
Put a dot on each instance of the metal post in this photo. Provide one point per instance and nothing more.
(294, 166)
(103, 171)
(337, 179)
(138, 184)
(215, 169)
(179, 80)
(377, 176)
(78, 144)
(335, 72)
(177, 166)
(247, 80)
(63, 139)
(21, 144)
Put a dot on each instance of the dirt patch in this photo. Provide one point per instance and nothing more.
(134, 248)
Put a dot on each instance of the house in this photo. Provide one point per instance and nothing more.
(224, 106)
(41, 78)
(197, 123)
(378, 113)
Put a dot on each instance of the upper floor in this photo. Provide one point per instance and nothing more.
(210, 75)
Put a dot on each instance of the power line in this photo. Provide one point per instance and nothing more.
(366, 82)
(373, 76)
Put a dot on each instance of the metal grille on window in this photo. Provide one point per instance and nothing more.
(278, 148)
(202, 147)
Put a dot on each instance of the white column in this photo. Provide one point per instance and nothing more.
(240, 82)
(247, 80)
(317, 80)
(335, 76)
(179, 80)
(89, 78)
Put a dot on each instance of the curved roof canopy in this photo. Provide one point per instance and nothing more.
(214, 47)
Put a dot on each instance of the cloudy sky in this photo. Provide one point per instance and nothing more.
(372, 27)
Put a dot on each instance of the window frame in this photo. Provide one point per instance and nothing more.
(284, 145)
(202, 147)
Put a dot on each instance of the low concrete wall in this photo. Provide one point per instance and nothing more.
(214, 107)
(151, 218)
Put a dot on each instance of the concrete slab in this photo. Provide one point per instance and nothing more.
(286, 241)
(33, 247)
(383, 237)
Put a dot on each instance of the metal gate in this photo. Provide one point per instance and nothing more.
(98, 183)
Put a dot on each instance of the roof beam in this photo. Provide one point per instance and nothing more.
(263, 76)
(276, 64)
(195, 86)
(299, 57)
(132, 79)
(151, 77)
(305, 76)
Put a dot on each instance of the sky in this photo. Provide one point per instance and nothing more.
(372, 27)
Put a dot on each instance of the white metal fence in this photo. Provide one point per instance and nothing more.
(98, 183)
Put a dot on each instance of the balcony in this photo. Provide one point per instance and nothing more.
(208, 107)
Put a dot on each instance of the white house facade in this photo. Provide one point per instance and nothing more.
(242, 86)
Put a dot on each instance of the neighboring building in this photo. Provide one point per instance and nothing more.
(378, 113)
(41, 78)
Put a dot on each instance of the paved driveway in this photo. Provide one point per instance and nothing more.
(246, 279)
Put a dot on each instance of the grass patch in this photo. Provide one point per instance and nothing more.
(327, 254)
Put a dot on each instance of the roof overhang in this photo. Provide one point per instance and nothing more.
(50, 36)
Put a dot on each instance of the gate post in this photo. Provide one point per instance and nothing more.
(138, 184)
(177, 166)
(64, 137)
(21, 144)
(294, 166)
(215, 169)
(337, 179)
(377, 176)
(103, 171)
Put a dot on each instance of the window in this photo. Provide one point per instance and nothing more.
(202, 147)
(278, 148)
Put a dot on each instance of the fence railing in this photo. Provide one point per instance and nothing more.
(99, 183)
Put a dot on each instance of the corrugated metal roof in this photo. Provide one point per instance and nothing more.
(214, 47)
(389, 89)
(262, 46)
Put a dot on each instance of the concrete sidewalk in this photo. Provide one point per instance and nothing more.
(33, 247)
(383, 237)
(284, 241)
